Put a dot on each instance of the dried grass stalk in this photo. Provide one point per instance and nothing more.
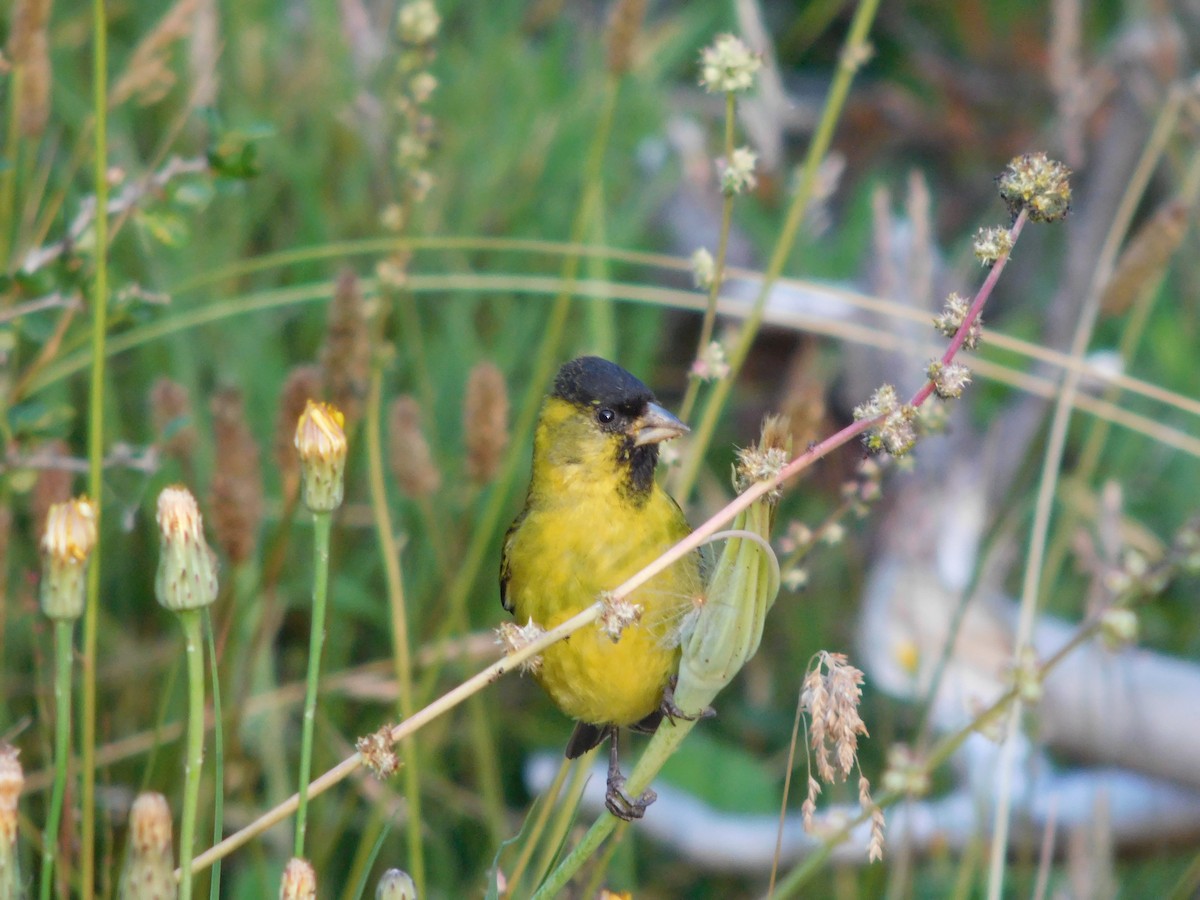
(346, 354)
(412, 462)
(485, 421)
(237, 493)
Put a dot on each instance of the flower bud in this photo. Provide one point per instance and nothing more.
(299, 881)
(187, 566)
(396, 884)
(729, 626)
(67, 544)
(149, 870)
(322, 445)
(12, 780)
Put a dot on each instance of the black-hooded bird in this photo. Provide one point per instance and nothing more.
(593, 517)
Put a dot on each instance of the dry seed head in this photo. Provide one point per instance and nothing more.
(299, 881)
(485, 421)
(33, 101)
(1118, 628)
(797, 538)
(795, 579)
(737, 173)
(1186, 547)
(765, 460)
(728, 65)
(421, 86)
(949, 379)
(623, 26)
(236, 501)
(992, 244)
(395, 884)
(378, 753)
(1027, 676)
(302, 383)
(29, 17)
(187, 567)
(618, 614)
(895, 432)
(418, 22)
(1038, 185)
(875, 846)
(12, 780)
(711, 364)
(171, 412)
(1145, 257)
(412, 462)
(322, 447)
(346, 351)
(514, 637)
(831, 694)
(951, 318)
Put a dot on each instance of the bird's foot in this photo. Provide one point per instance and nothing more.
(620, 804)
(673, 712)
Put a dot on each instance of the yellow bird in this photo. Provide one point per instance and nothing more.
(593, 517)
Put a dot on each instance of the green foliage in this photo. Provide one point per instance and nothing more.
(222, 276)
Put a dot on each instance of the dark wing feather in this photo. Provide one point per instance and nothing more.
(584, 738)
(505, 566)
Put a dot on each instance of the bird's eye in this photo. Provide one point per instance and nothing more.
(605, 416)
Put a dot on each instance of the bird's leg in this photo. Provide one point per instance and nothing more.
(618, 802)
(673, 712)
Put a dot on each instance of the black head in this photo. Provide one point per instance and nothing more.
(590, 381)
(621, 407)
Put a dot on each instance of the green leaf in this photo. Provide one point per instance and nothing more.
(167, 228)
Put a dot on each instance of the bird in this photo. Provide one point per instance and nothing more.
(593, 516)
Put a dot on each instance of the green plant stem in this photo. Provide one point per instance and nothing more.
(397, 603)
(214, 889)
(1131, 336)
(665, 741)
(191, 620)
(543, 368)
(714, 289)
(322, 525)
(64, 629)
(99, 309)
(544, 807)
(8, 176)
(1052, 464)
(854, 53)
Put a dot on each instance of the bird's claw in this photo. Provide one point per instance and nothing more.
(673, 712)
(621, 804)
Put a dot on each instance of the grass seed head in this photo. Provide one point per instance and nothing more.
(236, 501)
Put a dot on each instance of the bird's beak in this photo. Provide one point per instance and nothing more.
(655, 425)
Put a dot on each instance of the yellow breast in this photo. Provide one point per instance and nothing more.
(580, 536)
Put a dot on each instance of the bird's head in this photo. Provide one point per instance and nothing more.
(599, 418)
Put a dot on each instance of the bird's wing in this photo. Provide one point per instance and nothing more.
(584, 738)
(505, 567)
